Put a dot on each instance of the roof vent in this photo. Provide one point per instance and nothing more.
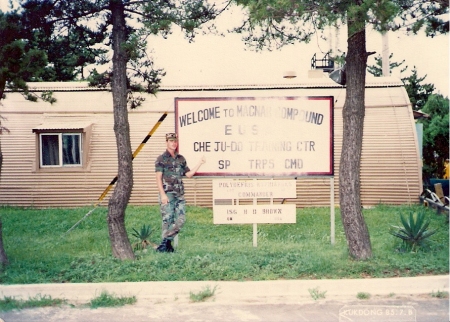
(326, 64)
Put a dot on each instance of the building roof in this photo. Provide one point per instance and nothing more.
(317, 82)
(78, 97)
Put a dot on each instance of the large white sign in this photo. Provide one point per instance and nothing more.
(254, 136)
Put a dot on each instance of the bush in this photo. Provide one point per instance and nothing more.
(143, 236)
(413, 231)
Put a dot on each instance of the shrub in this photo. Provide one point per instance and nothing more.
(143, 236)
(110, 300)
(11, 303)
(363, 296)
(203, 295)
(440, 294)
(316, 294)
(414, 230)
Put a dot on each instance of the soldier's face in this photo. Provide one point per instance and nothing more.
(172, 144)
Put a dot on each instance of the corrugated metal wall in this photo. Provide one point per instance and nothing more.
(390, 170)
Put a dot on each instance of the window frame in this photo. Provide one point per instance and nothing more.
(60, 150)
(85, 133)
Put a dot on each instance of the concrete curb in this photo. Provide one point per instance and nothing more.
(279, 291)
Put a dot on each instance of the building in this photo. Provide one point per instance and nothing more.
(31, 176)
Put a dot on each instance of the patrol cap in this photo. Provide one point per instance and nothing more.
(171, 136)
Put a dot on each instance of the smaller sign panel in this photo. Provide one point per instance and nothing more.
(250, 189)
(254, 214)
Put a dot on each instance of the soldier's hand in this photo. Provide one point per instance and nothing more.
(164, 199)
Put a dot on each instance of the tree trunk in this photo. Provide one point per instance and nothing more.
(356, 231)
(3, 257)
(118, 202)
(2, 87)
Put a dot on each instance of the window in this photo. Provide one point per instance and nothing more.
(60, 149)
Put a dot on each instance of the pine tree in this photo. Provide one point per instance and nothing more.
(122, 27)
(418, 92)
(436, 136)
(275, 23)
(34, 54)
(19, 62)
(377, 69)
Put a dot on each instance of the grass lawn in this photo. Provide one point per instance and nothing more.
(40, 251)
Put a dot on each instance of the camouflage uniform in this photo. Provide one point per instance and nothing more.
(173, 213)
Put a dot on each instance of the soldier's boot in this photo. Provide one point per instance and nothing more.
(162, 248)
(169, 247)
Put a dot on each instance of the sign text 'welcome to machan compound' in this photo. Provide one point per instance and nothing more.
(254, 136)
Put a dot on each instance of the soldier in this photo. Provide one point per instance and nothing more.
(170, 167)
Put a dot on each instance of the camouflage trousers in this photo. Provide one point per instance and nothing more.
(173, 215)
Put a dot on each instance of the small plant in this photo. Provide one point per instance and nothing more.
(440, 294)
(316, 294)
(10, 303)
(414, 231)
(203, 295)
(143, 236)
(363, 296)
(110, 300)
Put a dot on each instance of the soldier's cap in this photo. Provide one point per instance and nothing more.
(171, 136)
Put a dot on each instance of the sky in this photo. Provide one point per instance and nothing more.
(216, 60)
(226, 60)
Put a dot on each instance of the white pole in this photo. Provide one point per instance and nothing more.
(255, 226)
(332, 215)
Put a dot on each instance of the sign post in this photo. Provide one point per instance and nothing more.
(332, 215)
(255, 225)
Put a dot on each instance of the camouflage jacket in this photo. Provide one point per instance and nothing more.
(173, 169)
